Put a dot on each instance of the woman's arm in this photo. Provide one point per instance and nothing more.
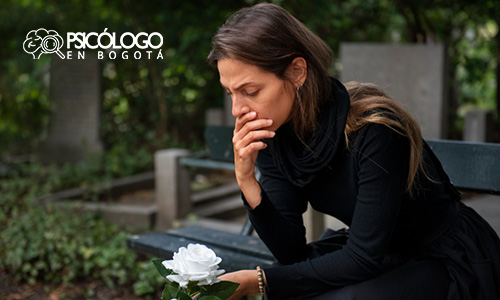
(279, 223)
(278, 218)
(382, 157)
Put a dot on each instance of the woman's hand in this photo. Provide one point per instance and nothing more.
(248, 133)
(248, 281)
(247, 142)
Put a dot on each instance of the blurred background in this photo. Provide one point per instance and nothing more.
(130, 108)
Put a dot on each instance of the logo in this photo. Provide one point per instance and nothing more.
(43, 41)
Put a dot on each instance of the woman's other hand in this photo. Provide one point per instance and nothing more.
(247, 142)
(248, 281)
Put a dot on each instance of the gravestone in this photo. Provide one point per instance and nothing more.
(229, 119)
(75, 93)
(221, 116)
(172, 187)
(478, 126)
(413, 74)
(215, 117)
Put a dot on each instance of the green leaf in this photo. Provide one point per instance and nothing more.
(221, 289)
(209, 297)
(193, 286)
(161, 268)
(173, 291)
(168, 292)
(174, 284)
(143, 287)
(182, 296)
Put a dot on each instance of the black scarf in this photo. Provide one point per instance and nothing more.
(300, 163)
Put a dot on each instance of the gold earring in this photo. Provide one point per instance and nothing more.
(297, 92)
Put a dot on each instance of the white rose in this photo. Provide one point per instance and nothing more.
(194, 263)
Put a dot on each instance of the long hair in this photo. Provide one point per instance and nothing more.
(370, 104)
(267, 36)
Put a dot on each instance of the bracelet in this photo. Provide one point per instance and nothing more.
(262, 286)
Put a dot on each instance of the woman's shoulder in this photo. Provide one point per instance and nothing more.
(378, 136)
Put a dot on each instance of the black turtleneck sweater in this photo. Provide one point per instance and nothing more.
(364, 186)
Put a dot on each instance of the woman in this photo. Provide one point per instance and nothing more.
(352, 153)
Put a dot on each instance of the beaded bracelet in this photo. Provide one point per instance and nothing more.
(262, 286)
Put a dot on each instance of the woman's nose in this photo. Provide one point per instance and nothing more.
(237, 108)
(235, 111)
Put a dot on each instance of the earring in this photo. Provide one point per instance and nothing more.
(297, 92)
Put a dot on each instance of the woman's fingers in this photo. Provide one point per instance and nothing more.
(252, 141)
(251, 126)
(249, 138)
(249, 150)
(245, 116)
(247, 142)
(249, 131)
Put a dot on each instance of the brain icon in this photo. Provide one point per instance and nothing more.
(43, 41)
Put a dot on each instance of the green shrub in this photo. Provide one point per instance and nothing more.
(55, 244)
(48, 244)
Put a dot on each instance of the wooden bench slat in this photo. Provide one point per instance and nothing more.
(239, 243)
(470, 165)
(164, 245)
(206, 163)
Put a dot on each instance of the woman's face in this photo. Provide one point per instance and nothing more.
(255, 90)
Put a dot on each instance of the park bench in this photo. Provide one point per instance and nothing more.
(239, 251)
(471, 166)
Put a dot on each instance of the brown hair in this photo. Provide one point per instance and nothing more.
(370, 104)
(267, 36)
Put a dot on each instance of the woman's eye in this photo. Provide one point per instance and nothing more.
(251, 93)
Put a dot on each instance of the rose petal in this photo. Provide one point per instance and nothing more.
(208, 282)
(174, 278)
(169, 264)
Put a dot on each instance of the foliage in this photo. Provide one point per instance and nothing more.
(38, 180)
(147, 101)
(56, 244)
(475, 68)
(36, 247)
(470, 29)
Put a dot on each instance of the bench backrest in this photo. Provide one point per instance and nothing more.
(470, 165)
(219, 142)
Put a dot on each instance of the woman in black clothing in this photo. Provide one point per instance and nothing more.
(353, 153)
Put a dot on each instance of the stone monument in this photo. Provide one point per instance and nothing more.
(75, 93)
(413, 74)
